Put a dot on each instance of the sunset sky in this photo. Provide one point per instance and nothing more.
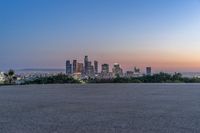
(164, 34)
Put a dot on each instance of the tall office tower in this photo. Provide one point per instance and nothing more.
(148, 71)
(80, 68)
(68, 67)
(105, 74)
(86, 65)
(117, 71)
(96, 67)
(104, 68)
(90, 69)
(74, 66)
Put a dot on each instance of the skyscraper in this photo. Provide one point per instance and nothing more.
(90, 69)
(148, 71)
(86, 65)
(68, 67)
(74, 66)
(96, 67)
(105, 74)
(80, 68)
(105, 68)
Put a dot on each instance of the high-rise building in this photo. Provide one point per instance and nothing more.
(74, 66)
(105, 74)
(90, 69)
(80, 68)
(96, 67)
(117, 70)
(148, 71)
(104, 68)
(86, 65)
(68, 67)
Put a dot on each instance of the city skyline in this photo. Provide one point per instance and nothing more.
(43, 34)
(90, 69)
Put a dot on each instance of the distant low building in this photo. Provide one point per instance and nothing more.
(133, 74)
(129, 74)
(117, 70)
(77, 75)
(136, 70)
(108, 75)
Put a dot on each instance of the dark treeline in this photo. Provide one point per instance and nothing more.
(58, 79)
(156, 78)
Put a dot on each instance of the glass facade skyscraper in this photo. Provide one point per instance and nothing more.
(68, 67)
(96, 67)
(74, 66)
(86, 65)
(105, 68)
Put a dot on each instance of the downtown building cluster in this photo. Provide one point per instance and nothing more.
(89, 69)
(80, 70)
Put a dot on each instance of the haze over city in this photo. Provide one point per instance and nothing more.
(45, 33)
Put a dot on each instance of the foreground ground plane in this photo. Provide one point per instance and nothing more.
(100, 108)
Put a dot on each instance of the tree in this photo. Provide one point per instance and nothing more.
(10, 77)
(177, 76)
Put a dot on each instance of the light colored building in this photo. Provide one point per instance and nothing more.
(2, 77)
(77, 75)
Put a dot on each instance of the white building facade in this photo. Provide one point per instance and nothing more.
(2, 78)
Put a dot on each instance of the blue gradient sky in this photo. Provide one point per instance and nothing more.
(163, 34)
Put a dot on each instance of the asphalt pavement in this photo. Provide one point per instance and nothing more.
(100, 108)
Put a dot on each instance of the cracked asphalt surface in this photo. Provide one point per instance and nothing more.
(100, 108)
